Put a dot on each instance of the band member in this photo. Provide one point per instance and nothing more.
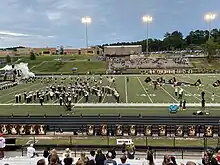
(127, 79)
(86, 96)
(19, 97)
(41, 100)
(213, 97)
(181, 104)
(2, 146)
(181, 93)
(203, 95)
(155, 85)
(61, 100)
(16, 98)
(203, 104)
(184, 104)
(25, 95)
(176, 91)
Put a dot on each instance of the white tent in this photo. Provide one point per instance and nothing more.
(7, 68)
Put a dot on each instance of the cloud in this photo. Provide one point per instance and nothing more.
(54, 16)
(14, 34)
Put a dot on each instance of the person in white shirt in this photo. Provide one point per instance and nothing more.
(213, 97)
(31, 152)
(2, 146)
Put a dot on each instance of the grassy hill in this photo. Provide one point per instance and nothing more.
(62, 64)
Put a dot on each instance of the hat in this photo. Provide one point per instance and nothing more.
(1, 134)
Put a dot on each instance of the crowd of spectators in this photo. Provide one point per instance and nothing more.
(147, 63)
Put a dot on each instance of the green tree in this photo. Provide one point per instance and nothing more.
(8, 59)
(211, 48)
(32, 56)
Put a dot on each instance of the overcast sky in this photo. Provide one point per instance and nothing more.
(40, 23)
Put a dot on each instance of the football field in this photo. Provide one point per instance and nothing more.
(135, 91)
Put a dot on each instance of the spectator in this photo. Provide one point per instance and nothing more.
(113, 153)
(123, 161)
(46, 152)
(41, 162)
(31, 152)
(100, 158)
(54, 160)
(80, 162)
(2, 146)
(110, 160)
(92, 156)
(218, 157)
(190, 163)
(83, 158)
(150, 156)
(67, 159)
(67, 151)
(166, 160)
(54, 155)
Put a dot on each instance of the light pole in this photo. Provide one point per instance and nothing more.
(209, 17)
(86, 20)
(147, 19)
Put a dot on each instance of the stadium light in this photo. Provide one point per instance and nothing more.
(87, 20)
(147, 19)
(209, 17)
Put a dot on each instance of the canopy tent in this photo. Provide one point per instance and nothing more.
(7, 68)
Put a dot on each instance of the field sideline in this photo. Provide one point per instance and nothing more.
(133, 91)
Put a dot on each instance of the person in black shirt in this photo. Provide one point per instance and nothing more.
(100, 158)
(203, 95)
(46, 152)
(67, 160)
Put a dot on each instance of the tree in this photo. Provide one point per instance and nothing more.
(61, 50)
(211, 48)
(8, 59)
(32, 56)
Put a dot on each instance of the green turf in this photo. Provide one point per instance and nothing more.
(99, 140)
(134, 91)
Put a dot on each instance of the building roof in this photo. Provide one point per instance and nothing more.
(123, 46)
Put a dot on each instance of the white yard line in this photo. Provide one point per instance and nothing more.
(145, 90)
(38, 65)
(169, 94)
(126, 90)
